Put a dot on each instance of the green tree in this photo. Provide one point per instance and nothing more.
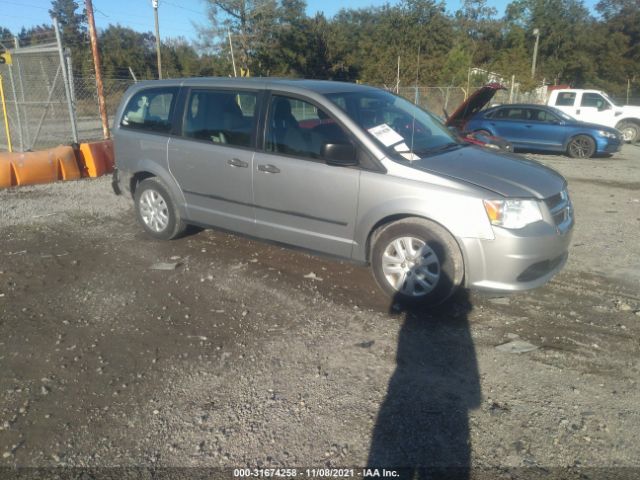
(73, 27)
(564, 26)
(251, 24)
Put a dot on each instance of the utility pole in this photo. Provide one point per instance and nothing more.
(155, 14)
(536, 32)
(98, 67)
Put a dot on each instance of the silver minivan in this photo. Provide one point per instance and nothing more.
(347, 170)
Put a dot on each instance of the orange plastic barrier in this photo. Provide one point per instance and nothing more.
(96, 158)
(45, 166)
(67, 164)
(35, 167)
(7, 178)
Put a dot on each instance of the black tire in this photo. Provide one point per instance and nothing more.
(581, 146)
(630, 131)
(169, 225)
(436, 242)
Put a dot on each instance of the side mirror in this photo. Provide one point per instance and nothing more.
(603, 107)
(339, 154)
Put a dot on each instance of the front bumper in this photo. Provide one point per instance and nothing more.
(515, 261)
(608, 145)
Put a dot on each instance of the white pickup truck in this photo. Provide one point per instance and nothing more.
(594, 106)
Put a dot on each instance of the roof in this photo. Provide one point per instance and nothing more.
(315, 86)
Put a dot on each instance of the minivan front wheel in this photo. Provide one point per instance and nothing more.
(416, 261)
(156, 211)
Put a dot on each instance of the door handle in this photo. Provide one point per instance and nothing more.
(529, 126)
(236, 162)
(578, 112)
(268, 168)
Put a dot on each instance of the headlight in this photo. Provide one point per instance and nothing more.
(512, 213)
(606, 134)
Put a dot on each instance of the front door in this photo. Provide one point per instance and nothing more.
(213, 159)
(300, 199)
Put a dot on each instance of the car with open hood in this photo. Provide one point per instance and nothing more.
(342, 169)
(534, 127)
(468, 108)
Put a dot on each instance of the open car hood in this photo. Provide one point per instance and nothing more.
(472, 105)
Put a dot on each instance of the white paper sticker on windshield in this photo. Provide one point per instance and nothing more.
(387, 135)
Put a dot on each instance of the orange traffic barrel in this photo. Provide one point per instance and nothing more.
(96, 158)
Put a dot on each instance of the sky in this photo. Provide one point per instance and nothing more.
(176, 17)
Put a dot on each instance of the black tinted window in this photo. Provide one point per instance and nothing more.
(566, 99)
(150, 110)
(300, 128)
(221, 116)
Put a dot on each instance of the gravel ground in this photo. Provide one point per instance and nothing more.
(235, 356)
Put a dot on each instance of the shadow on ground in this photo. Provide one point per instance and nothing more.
(422, 427)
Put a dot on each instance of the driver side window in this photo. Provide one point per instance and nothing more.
(592, 100)
(299, 128)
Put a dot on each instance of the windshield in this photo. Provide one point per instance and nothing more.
(402, 129)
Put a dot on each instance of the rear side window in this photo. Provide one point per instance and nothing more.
(566, 99)
(512, 114)
(542, 116)
(223, 117)
(150, 110)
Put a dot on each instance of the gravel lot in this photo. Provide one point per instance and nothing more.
(239, 357)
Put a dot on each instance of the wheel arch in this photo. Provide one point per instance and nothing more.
(389, 219)
(580, 134)
(150, 169)
(635, 121)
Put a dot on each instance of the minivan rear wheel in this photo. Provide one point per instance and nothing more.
(156, 210)
(416, 261)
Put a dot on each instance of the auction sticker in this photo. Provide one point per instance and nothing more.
(387, 135)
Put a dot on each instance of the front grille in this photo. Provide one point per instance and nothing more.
(561, 210)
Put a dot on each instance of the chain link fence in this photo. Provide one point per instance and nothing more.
(39, 112)
(36, 105)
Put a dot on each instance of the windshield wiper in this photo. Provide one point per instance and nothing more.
(442, 148)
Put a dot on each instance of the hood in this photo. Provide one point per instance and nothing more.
(505, 174)
(472, 105)
(632, 110)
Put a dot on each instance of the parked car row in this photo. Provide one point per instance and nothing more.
(533, 127)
